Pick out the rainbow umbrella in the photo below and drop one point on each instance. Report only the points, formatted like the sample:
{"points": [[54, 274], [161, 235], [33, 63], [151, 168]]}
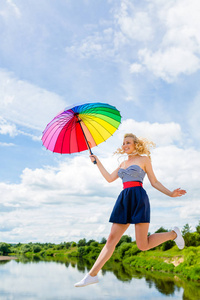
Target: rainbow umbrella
{"points": [[81, 128]]}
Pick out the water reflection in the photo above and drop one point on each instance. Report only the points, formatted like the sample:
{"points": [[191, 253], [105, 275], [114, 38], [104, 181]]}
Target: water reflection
{"points": [[38, 279]]}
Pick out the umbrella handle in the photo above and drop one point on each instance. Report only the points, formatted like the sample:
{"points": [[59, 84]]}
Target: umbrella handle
{"points": [[94, 162], [79, 121]]}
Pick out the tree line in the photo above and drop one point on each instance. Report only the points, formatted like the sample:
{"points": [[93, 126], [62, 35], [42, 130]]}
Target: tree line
{"points": [[191, 239]]}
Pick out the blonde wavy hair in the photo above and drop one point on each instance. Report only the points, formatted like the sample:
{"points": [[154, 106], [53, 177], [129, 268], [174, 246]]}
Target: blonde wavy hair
{"points": [[142, 145]]}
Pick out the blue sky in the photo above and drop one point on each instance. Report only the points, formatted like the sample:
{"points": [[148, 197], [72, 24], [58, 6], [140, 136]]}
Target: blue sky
{"points": [[142, 58]]}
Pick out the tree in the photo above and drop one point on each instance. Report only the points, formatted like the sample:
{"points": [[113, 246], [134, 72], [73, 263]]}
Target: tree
{"points": [[186, 232], [81, 243], [26, 248], [82, 251], [124, 238], [161, 229], [4, 248], [198, 228], [94, 244], [167, 245], [186, 229], [123, 248], [90, 241], [67, 245], [37, 248], [103, 240]]}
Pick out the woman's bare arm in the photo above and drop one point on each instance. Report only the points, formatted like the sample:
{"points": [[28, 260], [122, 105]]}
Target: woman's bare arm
{"points": [[157, 185], [109, 177]]}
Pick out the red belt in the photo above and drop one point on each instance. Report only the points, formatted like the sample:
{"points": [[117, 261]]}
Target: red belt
{"points": [[129, 184]]}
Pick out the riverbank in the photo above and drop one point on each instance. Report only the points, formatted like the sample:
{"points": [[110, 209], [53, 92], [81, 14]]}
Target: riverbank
{"points": [[7, 258], [166, 258], [184, 263]]}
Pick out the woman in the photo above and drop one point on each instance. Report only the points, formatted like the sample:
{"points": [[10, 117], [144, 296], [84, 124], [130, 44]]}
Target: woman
{"points": [[132, 205]]}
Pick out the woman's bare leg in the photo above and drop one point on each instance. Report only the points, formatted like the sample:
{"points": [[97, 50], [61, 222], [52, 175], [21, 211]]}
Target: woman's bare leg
{"points": [[145, 242], [116, 233]]}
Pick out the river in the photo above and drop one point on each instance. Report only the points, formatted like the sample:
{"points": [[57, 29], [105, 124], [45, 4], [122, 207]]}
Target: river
{"points": [[54, 281]]}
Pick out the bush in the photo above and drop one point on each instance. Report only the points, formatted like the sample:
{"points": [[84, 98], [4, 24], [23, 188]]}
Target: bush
{"points": [[94, 244], [190, 258], [134, 250], [88, 249], [167, 245], [124, 239], [73, 254], [59, 247], [94, 253], [49, 252], [67, 245], [190, 272], [4, 248], [123, 248], [73, 244], [81, 251], [151, 264], [90, 241], [26, 248], [81, 243], [36, 248]]}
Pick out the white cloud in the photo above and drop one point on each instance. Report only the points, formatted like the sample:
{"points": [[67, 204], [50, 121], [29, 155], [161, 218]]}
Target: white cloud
{"points": [[7, 128], [98, 45], [161, 134], [127, 24], [14, 7], [134, 24], [163, 34], [136, 68], [169, 63], [9, 9], [7, 144], [193, 117], [25, 104], [60, 203], [176, 47]]}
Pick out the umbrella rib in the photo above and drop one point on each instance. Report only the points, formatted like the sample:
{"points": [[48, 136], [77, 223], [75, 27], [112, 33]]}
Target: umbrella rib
{"points": [[99, 116], [85, 138], [92, 109], [55, 124], [73, 124], [51, 138], [71, 127], [107, 121], [98, 130], [102, 126], [77, 139]]}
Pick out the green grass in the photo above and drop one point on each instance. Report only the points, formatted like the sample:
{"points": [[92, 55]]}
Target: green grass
{"points": [[163, 261]]}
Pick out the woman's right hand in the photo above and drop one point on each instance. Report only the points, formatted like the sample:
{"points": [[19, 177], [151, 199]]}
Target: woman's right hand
{"points": [[93, 158]]}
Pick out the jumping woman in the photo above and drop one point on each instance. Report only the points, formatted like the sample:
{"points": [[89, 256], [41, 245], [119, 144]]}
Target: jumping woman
{"points": [[132, 205]]}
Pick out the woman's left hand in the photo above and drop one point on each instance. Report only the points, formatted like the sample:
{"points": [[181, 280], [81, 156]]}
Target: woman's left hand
{"points": [[178, 193]]}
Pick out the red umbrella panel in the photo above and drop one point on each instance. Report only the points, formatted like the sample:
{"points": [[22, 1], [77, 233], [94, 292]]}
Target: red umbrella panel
{"points": [[81, 127]]}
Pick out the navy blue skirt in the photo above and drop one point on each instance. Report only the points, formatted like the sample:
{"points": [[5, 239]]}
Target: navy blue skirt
{"points": [[132, 206]]}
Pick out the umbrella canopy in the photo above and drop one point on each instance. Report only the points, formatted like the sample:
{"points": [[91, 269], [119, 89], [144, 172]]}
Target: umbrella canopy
{"points": [[81, 127]]}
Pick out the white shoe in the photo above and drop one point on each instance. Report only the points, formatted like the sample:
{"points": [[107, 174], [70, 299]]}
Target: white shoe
{"points": [[87, 280], [179, 239]]}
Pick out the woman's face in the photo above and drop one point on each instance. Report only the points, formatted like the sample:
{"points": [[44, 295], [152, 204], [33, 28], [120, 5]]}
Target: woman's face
{"points": [[128, 145]]}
